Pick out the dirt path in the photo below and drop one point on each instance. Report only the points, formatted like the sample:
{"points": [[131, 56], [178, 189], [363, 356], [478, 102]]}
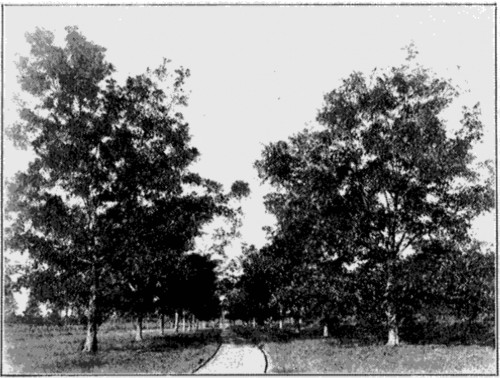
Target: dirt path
{"points": [[235, 358]]}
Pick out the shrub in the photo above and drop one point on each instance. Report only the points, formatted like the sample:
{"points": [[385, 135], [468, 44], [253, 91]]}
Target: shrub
{"points": [[263, 334]]}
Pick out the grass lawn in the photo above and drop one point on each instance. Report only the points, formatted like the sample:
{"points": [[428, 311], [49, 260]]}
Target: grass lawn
{"points": [[325, 356], [40, 349]]}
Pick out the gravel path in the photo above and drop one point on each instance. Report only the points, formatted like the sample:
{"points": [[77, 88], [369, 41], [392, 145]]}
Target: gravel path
{"points": [[236, 359]]}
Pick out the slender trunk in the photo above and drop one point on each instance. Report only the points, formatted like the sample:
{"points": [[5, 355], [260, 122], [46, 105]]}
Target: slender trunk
{"points": [[176, 322], [223, 320], [325, 331], [183, 322], [90, 345], [393, 338], [162, 324], [138, 328], [281, 323], [299, 325], [253, 323], [392, 324]]}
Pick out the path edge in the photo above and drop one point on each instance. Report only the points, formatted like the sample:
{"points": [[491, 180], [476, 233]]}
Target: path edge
{"points": [[208, 359], [267, 358]]}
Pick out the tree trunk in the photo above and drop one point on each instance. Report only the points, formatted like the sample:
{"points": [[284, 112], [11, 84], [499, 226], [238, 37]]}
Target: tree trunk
{"points": [[138, 328], [299, 325], [281, 323], [393, 337], [223, 320], [90, 345], [176, 322], [162, 324], [253, 323], [392, 324], [325, 331], [183, 322]]}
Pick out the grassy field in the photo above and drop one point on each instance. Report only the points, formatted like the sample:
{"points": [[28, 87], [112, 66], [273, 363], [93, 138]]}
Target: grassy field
{"points": [[40, 349], [324, 356]]}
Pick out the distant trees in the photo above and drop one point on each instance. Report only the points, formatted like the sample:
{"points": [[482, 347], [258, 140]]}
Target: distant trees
{"points": [[381, 177], [198, 286], [108, 205], [251, 297]]}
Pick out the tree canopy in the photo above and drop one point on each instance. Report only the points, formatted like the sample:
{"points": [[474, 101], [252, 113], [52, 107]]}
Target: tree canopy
{"points": [[109, 201], [380, 176]]}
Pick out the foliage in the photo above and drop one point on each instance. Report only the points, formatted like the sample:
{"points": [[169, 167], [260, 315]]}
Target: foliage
{"points": [[69, 181], [381, 175], [32, 313], [446, 332], [251, 296], [108, 203], [199, 284], [470, 279]]}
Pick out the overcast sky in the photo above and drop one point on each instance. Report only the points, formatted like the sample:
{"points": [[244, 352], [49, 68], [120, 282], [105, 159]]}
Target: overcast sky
{"points": [[259, 73]]}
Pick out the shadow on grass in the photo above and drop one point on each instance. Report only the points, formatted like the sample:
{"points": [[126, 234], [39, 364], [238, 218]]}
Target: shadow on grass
{"points": [[78, 362], [160, 343], [31, 350], [193, 340]]}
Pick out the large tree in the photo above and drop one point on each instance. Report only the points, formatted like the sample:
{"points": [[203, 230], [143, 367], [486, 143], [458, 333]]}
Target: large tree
{"points": [[382, 174], [111, 161]]}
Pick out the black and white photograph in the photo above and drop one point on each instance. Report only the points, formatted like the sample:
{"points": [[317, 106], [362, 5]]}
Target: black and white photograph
{"points": [[249, 188]]}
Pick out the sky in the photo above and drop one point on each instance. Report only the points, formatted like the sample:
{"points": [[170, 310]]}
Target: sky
{"points": [[259, 73]]}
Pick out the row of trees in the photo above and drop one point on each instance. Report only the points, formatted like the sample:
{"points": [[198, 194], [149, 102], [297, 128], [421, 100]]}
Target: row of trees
{"points": [[108, 209], [189, 290], [439, 280], [373, 209], [373, 206]]}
